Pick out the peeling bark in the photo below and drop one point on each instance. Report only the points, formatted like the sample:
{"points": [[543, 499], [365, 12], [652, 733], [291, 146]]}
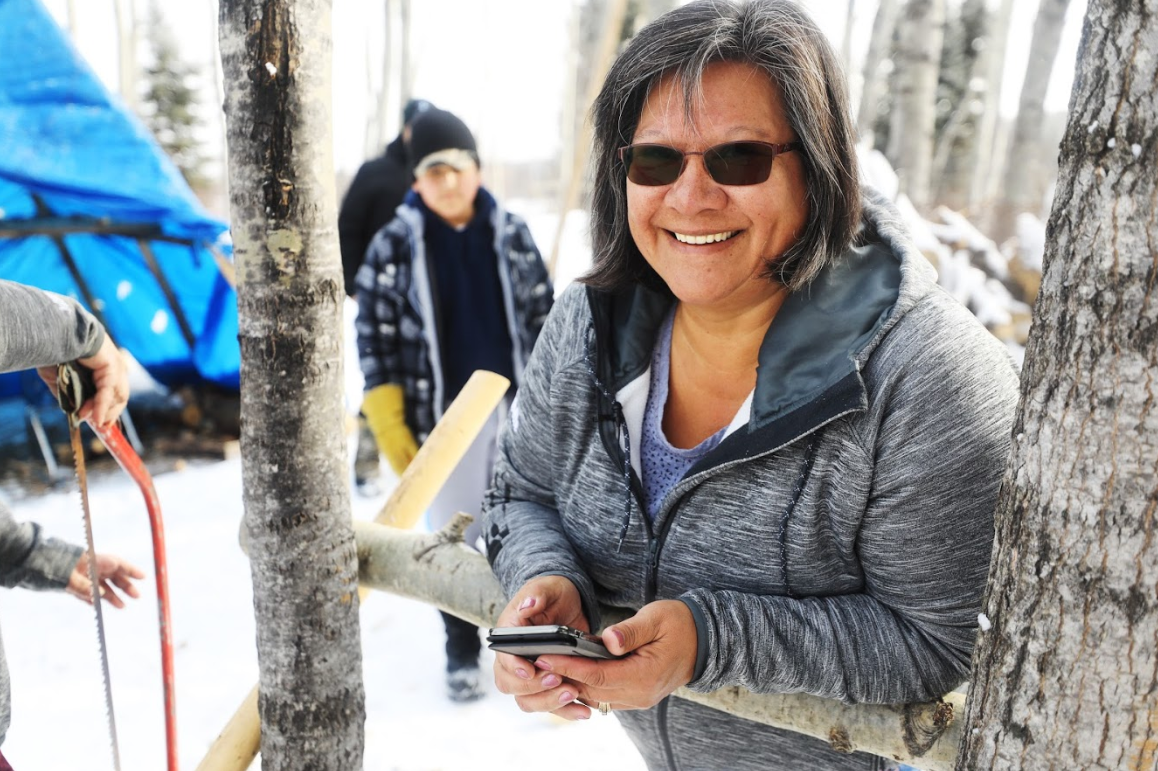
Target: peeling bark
{"points": [[1068, 675], [276, 59]]}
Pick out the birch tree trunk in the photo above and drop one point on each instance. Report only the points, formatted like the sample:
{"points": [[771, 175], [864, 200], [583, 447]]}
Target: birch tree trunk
{"points": [[952, 170], [126, 19], [880, 43], [276, 56], [1066, 677], [919, 59], [846, 40], [405, 65], [1022, 186], [991, 69]]}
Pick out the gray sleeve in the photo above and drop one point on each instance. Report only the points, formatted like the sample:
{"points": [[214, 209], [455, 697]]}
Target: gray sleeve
{"points": [[39, 328], [942, 405], [521, 525], [30, 560]]}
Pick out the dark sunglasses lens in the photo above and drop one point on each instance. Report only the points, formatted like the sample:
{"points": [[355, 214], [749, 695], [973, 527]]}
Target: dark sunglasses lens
{"points": [[739, 163], [653, 165]]}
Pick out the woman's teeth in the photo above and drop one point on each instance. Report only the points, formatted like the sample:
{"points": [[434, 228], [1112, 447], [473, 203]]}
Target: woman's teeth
{"points": [[708, 239]]}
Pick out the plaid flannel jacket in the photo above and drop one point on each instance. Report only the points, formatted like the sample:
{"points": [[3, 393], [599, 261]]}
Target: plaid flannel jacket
{"points": [[397, 309]]}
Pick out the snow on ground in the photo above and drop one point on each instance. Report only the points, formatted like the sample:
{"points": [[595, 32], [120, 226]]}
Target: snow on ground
{"points": [[58, 714]]}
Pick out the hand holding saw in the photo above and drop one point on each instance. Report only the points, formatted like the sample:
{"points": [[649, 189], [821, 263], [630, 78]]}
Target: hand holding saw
{"points": [[75, 387]]}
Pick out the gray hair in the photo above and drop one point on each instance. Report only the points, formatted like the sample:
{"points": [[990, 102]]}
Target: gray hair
{"points": [[778, 38]]}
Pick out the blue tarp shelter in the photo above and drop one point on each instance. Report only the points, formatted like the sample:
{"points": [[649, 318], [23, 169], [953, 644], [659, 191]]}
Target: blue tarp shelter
{"points": [[90, 206]]}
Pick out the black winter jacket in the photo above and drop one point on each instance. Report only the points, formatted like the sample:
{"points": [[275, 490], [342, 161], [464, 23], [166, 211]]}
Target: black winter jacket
{"points": [[377, 190]]}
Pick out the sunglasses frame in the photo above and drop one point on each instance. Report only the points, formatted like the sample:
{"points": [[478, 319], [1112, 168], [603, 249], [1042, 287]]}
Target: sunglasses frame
{"points": [[777, 149]]}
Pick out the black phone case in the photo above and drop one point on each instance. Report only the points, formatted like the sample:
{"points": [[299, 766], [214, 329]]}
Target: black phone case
{"points": [[533, 644]]}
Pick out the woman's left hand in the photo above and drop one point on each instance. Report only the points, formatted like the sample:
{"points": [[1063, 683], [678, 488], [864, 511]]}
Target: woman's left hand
{"points": [[661, 641]]}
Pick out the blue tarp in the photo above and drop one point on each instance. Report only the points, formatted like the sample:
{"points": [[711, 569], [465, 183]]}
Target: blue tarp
{"points": [[66, 143]]}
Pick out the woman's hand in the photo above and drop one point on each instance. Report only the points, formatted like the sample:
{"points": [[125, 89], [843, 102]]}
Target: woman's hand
{"points": [[546, 600], [661, 641]]}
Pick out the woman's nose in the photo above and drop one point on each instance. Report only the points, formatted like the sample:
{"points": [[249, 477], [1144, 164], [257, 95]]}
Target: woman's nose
{"points": [[695, 190]]}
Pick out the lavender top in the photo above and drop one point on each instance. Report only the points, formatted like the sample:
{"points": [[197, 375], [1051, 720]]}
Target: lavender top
{"points": [[662, 464]]}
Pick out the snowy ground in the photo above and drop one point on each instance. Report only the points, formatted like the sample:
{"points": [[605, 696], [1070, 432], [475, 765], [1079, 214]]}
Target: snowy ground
{"points": [[58, 719]]}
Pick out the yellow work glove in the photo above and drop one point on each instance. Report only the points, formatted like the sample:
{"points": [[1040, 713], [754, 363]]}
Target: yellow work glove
{"points": [[383, 409]]}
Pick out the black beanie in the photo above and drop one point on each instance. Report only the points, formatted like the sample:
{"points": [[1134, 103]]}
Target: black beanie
{"points": [[413, 109], [435, 130]]}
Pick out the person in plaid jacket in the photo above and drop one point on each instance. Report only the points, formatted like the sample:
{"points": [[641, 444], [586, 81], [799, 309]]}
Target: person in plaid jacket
{"points": [[453, 284]]}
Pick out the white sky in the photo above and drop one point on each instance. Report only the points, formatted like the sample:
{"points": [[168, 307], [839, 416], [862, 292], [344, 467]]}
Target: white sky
{"points": [[501, 65]]}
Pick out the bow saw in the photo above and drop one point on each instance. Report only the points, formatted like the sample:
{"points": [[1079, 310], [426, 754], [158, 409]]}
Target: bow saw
{"points": [[74, 387]]}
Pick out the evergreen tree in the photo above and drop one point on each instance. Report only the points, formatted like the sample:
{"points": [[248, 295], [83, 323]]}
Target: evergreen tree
{"points": [[169, 101]]}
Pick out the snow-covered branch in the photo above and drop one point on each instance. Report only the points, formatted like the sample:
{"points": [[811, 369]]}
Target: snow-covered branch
{"points": [[438, 569]]}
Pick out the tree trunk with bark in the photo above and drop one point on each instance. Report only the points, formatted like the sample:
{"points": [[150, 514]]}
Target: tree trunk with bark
{"points": [[126, 20], [276, 57], [1068, 674], [405, 53], [991, 69], [918, 60], [875, 76], [1023, 183]]}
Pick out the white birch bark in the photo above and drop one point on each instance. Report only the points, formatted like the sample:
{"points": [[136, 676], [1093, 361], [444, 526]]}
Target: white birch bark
{"points": [[406, 54], [126, 20], [991, 69], [1023, 185], [875, 77], [1066, 676], [276, 57], [846, 39], [918, 60]]}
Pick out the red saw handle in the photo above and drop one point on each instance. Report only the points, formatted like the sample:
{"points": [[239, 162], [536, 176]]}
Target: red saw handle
{"points": [[128, 460]]}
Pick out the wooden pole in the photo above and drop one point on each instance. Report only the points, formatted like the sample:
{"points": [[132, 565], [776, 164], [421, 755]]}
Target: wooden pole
{"points": [[238, 743]]}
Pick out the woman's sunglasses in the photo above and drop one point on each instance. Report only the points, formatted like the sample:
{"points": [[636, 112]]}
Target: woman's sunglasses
{"points": [[732, 163]]}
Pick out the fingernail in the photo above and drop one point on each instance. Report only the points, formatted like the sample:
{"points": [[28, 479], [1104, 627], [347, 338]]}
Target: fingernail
{"points": [[522, 673], [618, 637], [566, 698], [586, 716], [551, 681], [543, 664], [529, 602]]}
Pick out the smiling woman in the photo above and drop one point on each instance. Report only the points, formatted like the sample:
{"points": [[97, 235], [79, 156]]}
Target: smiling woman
{"points": [[760, 426]]}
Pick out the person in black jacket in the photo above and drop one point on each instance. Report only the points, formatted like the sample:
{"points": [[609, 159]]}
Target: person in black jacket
{"points": [[379, 186], [376, 191]]}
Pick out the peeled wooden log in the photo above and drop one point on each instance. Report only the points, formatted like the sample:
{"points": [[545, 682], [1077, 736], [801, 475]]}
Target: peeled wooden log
{"points": [[438, 569]]}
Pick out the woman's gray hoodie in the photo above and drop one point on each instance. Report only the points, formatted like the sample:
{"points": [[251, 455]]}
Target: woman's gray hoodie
{"points": [[835, 543]]}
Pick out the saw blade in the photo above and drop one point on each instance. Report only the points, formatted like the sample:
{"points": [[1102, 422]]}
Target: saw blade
{"points": [[94, 579]]}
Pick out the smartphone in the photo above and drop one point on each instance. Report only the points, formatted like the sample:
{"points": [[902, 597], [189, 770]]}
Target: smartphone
{"points": [[533, 641]]}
